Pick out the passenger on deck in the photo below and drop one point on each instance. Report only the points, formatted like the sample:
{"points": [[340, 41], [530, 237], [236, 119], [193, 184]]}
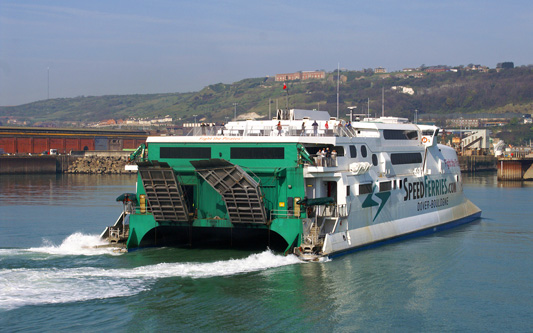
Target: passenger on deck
{"points": [[303, 129], [319, 158], [339, 129], [279, 128], [334, 158], [349, 125], [315, 128]]}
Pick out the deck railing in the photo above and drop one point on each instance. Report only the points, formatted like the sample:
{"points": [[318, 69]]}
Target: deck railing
{"points": [[331, 210], [319, 210], [286, 130]]}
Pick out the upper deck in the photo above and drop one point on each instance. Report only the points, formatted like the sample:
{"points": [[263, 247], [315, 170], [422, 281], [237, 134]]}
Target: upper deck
{"points": [[390, 145], [308, 130]]}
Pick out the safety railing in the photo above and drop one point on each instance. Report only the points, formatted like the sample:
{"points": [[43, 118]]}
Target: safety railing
{"points": [[312, 211], [331, 210], [336, 131]]}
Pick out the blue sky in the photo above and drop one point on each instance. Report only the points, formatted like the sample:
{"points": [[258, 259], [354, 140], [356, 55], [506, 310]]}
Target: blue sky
{"points": [[92, 48]]}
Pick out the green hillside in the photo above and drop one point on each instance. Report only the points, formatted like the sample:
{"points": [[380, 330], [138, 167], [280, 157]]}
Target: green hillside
{"points": [[509, 90]]}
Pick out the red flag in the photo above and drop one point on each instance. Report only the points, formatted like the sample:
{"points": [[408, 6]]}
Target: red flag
{"points": [[284, 85]]}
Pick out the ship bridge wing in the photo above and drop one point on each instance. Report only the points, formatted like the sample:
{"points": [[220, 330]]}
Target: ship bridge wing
{"points": [[241, 193]]}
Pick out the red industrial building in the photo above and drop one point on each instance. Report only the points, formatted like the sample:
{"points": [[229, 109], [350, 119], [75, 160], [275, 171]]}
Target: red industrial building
{"points": [[34, 140]]}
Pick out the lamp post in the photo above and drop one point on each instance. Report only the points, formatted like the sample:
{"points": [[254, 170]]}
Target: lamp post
{"points": [[461, 135], [416, 116]]}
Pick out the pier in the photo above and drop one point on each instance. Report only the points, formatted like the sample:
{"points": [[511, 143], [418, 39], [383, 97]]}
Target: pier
{"points": [[515, 168], [477, 163]]}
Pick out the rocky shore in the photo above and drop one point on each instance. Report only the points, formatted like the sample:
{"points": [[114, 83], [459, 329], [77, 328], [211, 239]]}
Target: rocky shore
{"points": [[99, 165]]}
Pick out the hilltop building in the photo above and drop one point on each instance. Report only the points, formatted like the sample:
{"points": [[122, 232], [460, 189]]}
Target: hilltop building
{"points": [[305, 75]]}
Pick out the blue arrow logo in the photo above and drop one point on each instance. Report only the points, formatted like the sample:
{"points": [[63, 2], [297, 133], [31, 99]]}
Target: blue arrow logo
{"points": [[369, 202]]}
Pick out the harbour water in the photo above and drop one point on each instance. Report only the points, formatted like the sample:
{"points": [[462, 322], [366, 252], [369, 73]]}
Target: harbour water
{"points": [[477, 277]]}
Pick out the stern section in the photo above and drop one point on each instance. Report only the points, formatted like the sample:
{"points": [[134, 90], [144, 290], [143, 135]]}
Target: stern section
{"points": [[224, 194]]}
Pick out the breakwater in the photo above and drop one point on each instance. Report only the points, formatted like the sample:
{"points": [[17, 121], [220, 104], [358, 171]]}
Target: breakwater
{"points": [[99, 165]]}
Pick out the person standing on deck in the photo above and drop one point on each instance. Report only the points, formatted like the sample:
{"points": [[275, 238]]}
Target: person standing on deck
{"points": [[303, 129], [338, 130], [315, 128], [279, 128]]}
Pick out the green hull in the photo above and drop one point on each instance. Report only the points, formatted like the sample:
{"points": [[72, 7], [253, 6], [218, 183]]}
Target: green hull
{"points": [[187, 206]]}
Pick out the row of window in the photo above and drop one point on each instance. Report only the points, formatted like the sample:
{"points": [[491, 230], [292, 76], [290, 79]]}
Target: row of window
{"points": [[385, 186], [262, 153], [273, 153], [396, 158]]}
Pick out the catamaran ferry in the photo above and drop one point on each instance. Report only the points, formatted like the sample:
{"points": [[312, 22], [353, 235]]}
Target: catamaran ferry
{"points": [[303, 183]]}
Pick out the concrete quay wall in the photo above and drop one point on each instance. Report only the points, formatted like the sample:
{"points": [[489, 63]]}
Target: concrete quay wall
{"points": [[90, 164], [27, 164], [476, 163]]}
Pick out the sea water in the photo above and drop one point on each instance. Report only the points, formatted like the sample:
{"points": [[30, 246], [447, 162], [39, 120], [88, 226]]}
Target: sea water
{"points": [[476, 277]]}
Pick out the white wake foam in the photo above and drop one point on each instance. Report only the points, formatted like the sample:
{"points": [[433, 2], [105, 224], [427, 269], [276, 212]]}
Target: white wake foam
{"points": [[51, 285], [76, 244]]}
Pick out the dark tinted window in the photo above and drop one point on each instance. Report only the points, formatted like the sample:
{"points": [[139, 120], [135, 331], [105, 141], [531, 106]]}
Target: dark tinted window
{"points": [[263, 153], [363, 151], [374, 159], [353, 151], [365, 188], [406, 158], [400, 135], [385, 186], [185, 152]]}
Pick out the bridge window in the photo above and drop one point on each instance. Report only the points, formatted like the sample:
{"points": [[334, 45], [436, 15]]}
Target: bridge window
{"points": [[400, 135]]}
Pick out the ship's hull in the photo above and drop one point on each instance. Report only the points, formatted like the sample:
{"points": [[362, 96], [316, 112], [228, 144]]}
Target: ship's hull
{"points": [[383, 233]]}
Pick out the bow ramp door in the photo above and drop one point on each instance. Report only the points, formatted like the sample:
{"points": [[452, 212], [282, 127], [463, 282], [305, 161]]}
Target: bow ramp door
{"points": [[240, 191], [164, 193]]}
